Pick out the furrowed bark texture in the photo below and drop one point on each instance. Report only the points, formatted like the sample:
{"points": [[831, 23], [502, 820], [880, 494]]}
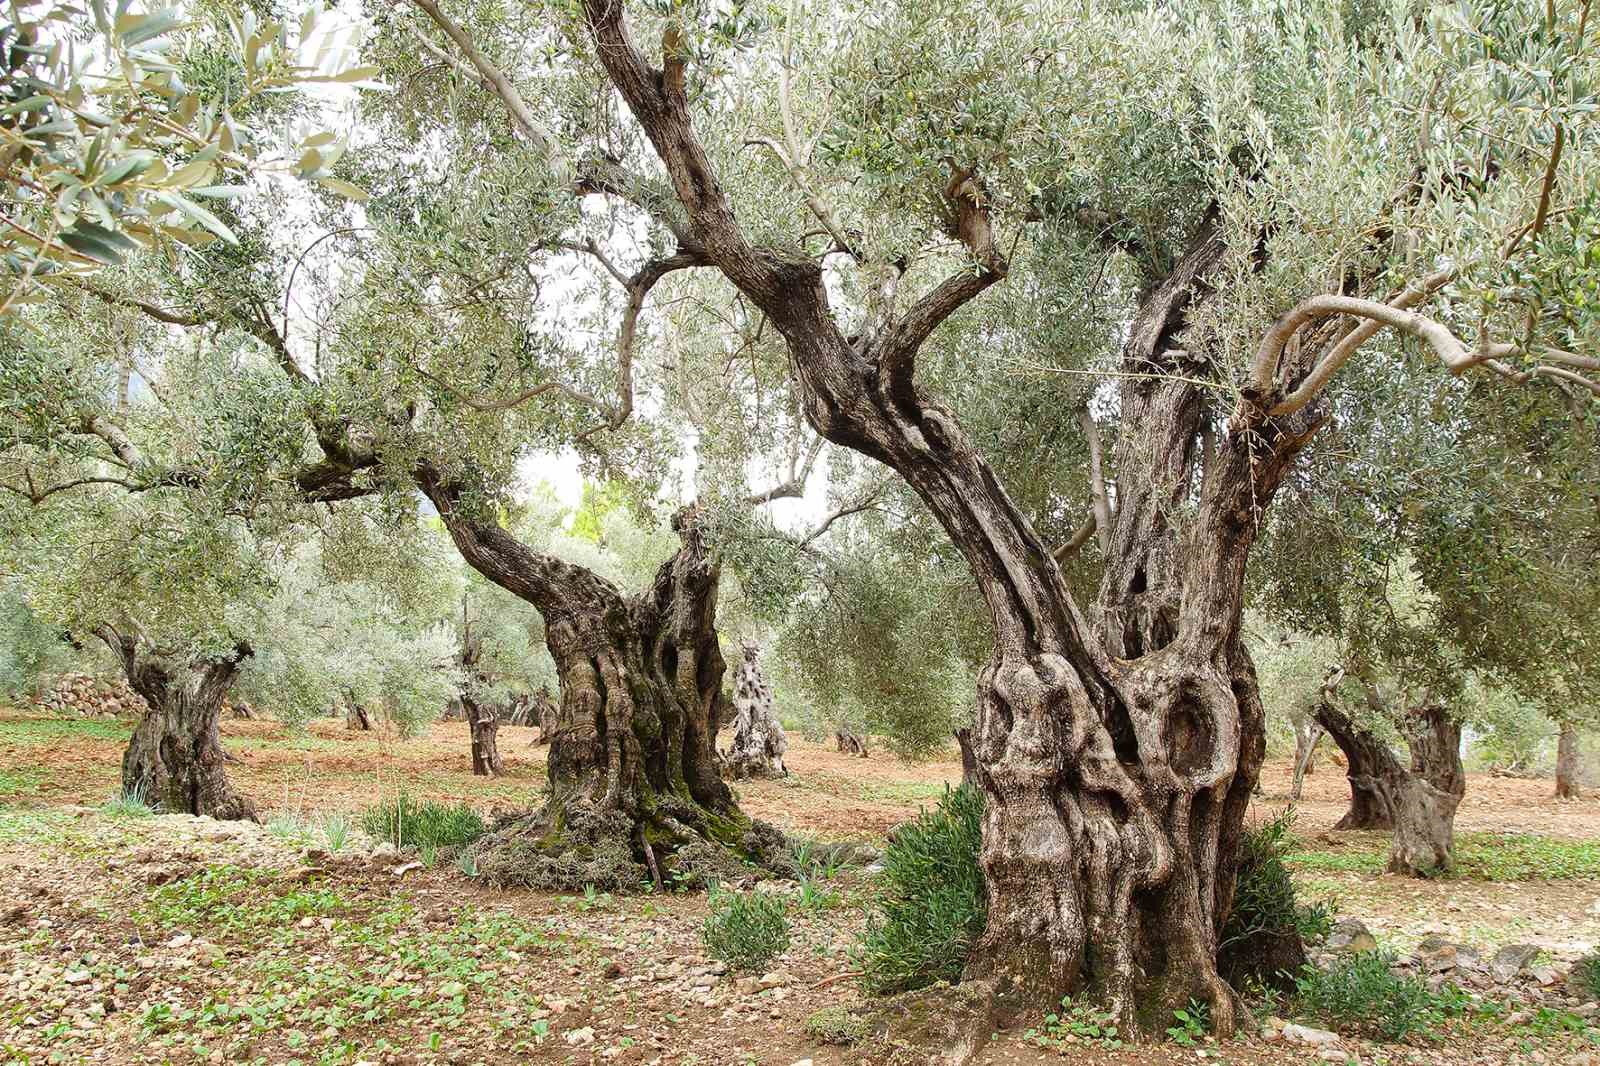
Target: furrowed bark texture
{"points": [[850, 743], [483, 722], [1418, 802], [1568, 763], [1371, 767], [175, 759], [1427, 798], [1117, 759], [635, 791], [758, 738]]}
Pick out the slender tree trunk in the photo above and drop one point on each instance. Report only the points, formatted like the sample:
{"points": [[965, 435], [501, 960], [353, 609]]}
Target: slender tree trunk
{"points": [[1568, 763], [174, 759], [969, 758], [1307, 734], [635, 791], [483, 722], [758, 738], [1371, 766]]}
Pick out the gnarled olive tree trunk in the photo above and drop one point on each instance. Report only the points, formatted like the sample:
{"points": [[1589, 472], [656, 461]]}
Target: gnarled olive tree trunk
{"points": [[483, 721], [1568, 763], [1307, 735], [174, 759], [758, 738], [1427, 797], [1117, 757], [635, 791], [1418, 802], [1370, 765]]}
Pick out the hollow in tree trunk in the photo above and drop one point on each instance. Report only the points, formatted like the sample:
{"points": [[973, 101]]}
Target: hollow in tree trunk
{"points": [[175, 759], [634, 787], [1568, 762], [758, 738]]}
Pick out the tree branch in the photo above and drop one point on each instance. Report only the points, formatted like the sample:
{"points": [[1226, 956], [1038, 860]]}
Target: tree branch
{"points": [[972, 225], [1097, 480], [508, 94], [1079, 538]]}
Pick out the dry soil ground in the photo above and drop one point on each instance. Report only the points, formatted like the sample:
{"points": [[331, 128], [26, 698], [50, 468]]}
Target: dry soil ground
{"points": [[164, 939]]}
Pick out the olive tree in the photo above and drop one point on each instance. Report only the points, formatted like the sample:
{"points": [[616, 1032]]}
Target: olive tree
{"points": [[1289, 192]]}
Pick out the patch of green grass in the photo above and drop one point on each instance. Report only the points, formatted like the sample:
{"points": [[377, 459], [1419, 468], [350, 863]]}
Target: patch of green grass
{"points": [[39, 731], [39, 827], [129, 803], [21, 781], [408, 822], [907, 792], [1478, 857]]}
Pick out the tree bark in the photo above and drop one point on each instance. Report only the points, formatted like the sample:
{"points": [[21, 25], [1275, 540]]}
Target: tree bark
{"points": [[174, 759], [1425, 814], [1417, 802], [483, 722], [1370, 765], [633, 776], [1117, 760], [355, 715], [1568, 763], [758, 738], [485, 728], [849, 742], [1307, 735], [969, 758]]}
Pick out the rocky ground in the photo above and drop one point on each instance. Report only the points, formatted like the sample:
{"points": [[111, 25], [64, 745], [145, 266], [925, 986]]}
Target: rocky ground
{"points": [[128, 939]]}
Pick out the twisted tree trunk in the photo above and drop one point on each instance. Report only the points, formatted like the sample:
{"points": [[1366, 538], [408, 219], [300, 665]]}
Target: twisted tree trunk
{"points": [[1371, 767], [175, 759], [1117, 759], [483, 722], [635, 791], [1568, 763], [1427, 797], [1307, 735], [850, 743], [758, 738], [1417, 802]]}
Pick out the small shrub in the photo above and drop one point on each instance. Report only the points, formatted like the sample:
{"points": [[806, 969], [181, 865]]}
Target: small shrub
{"points": [[836, 1025], [746, 931], [1190, 1025], [285, 827], [1265, 934], [1362, 993], [129, 803], [336, 831], [1586, 975], [467, 863], [406, 822], [932, 903]]}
